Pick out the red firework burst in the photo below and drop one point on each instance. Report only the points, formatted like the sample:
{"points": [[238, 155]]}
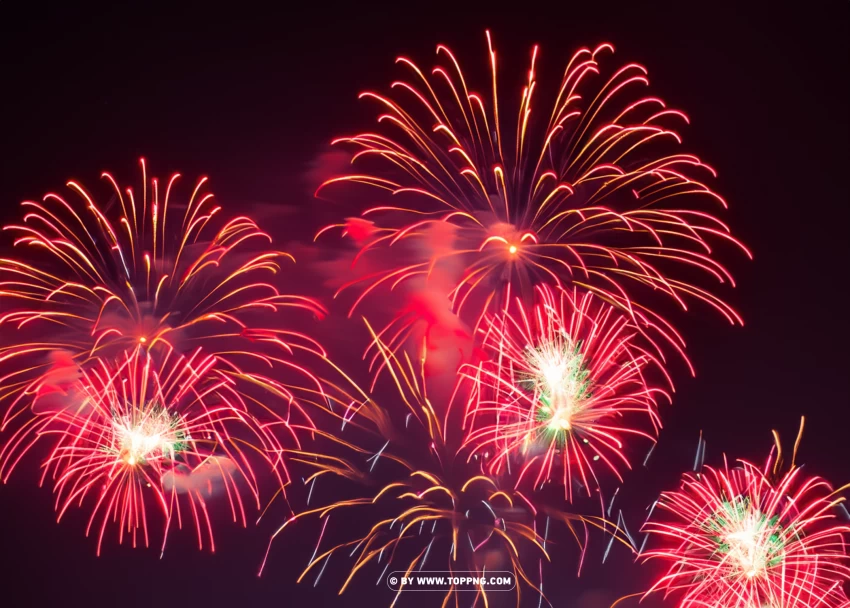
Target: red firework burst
{"points": [[141, 440], [564, 388], [96, 279], [595, 195], [745, 537]]}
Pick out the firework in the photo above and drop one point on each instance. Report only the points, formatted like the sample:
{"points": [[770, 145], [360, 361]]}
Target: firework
{"points": [[94, 279], [147, 444], [594, 195], [430, 507], [564, 388], [743, 536]]}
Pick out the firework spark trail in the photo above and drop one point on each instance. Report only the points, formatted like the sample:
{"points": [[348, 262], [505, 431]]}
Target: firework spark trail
{"points": [[743, 536], [595, 195], [148, 438], [563, 390], [95, 279]]}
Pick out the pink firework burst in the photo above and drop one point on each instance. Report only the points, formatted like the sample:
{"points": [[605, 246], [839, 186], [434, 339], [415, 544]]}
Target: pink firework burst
{"points": [[564, 389], [145, 441], [744, 536]]}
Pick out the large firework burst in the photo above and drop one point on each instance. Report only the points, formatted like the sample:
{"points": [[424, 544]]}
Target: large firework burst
{"points": [[592, 193], [743, 536], [146, 441], [428, 505], [139, 270], [565, 386]]}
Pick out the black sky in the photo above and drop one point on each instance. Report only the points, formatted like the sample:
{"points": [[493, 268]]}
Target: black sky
{"points": [[251, 96]]}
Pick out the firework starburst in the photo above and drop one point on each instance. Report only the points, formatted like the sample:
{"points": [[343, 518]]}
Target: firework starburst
{"points": [[743, 536], [563, 388], [147, 443]]}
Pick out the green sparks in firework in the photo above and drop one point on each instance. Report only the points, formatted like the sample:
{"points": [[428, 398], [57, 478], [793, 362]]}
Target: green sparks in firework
{"points": [[558, 377], [747, 537], [152, 432]]}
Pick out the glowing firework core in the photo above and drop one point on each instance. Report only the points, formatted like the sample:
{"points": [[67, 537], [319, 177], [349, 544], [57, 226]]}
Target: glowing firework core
{"points": [[560, 380], [749, 539], [561, 418], [154, 434]]}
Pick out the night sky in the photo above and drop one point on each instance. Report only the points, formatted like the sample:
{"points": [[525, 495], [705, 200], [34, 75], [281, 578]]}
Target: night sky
{"points": [[253, 98]]}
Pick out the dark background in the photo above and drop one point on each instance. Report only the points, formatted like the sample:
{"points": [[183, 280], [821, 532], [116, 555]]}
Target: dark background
{"points": [[251, 97]]}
